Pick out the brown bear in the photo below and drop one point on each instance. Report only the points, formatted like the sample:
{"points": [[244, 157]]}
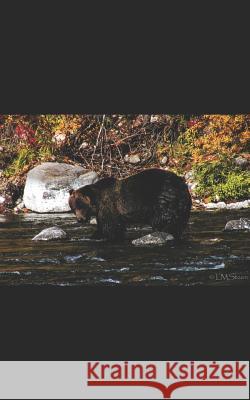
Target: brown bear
{"points": [[154, 196]]}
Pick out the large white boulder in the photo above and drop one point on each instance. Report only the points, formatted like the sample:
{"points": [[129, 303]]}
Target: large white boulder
{"points": [[47, 186]]}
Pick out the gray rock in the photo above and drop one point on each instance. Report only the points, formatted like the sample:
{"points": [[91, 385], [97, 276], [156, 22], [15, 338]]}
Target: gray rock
{"points": [[53, 233], [164, 160], [189, 175], [192, 186], [133, 159], [230, 206], [155, 238], [210, 242], [47, 186], [238, 205], [219, 205], [59, 138], [93, 221], [84, 145], [19, 206], [154, 118], [241, 162], [238, 224], [2, 199]]}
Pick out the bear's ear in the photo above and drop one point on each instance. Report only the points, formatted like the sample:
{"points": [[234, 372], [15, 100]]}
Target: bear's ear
{"points": [[71, 191]]}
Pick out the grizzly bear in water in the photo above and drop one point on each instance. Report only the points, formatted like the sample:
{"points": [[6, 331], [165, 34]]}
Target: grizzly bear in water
{"points": [[154, 196]]}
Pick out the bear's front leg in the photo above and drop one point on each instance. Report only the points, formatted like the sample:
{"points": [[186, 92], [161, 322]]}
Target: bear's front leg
{"points": [[112, 227], [97, 235]]}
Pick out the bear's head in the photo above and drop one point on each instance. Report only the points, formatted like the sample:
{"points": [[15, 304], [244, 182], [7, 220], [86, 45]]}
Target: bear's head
{"points": [[81, 202]]}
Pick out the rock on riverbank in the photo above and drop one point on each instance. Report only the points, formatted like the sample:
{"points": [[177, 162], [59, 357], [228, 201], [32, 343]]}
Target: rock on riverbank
{"points": [[230, 206], [47, 186]]}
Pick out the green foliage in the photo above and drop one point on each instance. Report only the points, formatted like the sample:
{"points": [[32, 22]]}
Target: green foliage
{"points": [[220, 180], [236, 187], [25, 156], [45, 152]]}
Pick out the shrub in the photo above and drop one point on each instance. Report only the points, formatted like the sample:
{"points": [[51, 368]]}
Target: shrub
{"points": [[236, 187], [220, 180], [24, 158]]}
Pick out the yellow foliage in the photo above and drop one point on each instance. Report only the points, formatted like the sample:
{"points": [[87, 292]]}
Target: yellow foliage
{"points": [[220, 135]]}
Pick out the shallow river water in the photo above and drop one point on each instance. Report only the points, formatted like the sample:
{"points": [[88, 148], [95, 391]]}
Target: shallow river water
{"points": [[206, 256]]}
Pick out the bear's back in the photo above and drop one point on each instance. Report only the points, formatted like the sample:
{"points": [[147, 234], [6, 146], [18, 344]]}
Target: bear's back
{"points": [[149, 183]]}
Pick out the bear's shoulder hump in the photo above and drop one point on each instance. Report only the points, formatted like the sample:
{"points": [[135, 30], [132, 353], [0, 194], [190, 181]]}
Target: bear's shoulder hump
{"points": [[105, 182]]}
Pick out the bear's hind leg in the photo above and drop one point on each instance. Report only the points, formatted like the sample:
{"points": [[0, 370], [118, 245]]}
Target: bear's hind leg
{"points": [[97, 235], [167, 216], [168, 223]]}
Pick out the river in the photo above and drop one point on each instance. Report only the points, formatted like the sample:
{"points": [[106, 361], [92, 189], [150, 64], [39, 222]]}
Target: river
{"points": [[206, 256]]}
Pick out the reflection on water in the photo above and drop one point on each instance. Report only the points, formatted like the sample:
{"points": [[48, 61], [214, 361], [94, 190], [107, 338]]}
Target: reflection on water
{"points": [[206, 256]]}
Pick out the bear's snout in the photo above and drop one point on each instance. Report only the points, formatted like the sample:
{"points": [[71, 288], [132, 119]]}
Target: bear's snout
{"points": [[83, 219]]}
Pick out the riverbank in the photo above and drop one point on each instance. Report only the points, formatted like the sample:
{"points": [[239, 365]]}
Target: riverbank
{"points": [[11, 198], [210, 151]]}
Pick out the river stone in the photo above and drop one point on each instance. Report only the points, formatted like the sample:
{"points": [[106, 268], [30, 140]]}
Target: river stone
{"points": [[238, 224], [192, 186], [47, 186], [164, 160], [241, 162], [53, 233], [189, 175], [238, 205], [220, 205], [230, 206], [93, 221], [133, 159], [2, 199], [157, 238]]}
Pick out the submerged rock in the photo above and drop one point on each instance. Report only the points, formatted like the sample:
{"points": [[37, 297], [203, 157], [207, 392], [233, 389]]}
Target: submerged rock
{"points": [[157, 238], [47, 186], [211, 241], [53, 233], [238, 224]]}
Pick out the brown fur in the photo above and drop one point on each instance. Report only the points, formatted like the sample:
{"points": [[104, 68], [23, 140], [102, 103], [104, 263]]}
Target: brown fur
{"points": [[154, 196]]}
